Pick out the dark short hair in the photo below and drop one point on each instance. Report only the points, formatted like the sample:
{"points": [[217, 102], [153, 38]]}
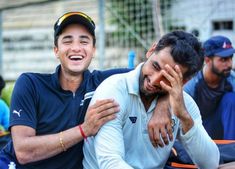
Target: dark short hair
{"points": [[186, 50]]}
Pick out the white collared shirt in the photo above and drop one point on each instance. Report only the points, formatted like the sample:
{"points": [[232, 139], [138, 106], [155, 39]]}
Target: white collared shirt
{"points": [[123, 143]]}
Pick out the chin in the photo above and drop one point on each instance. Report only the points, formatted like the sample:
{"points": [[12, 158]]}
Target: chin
{"points": [[76, 68]]}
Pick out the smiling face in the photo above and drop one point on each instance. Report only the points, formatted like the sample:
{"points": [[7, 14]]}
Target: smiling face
{"points": [[151, 73], [75, 49]]}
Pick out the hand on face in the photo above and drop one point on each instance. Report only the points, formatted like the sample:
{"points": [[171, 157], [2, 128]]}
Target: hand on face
{"points": [[175, 88]]}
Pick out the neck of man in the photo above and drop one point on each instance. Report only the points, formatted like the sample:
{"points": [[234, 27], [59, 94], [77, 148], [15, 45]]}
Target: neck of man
{"points": [[212, 79], [70, 82], [146, 100]]}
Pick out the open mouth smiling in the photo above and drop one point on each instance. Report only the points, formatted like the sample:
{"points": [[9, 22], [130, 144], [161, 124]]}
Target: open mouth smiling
{"points": [[76, 57]]}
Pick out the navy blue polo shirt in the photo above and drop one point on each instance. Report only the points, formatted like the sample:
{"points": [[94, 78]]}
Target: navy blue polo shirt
{"points": [[208, 98], [38, 101]]}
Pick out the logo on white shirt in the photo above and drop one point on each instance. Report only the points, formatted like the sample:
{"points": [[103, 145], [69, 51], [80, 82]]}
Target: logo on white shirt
{"points": [[133, 119], [17, 112]]}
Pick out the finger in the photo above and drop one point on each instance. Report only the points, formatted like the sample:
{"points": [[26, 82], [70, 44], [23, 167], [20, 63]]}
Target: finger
{"points": [[165, 86], [108, 112], [179, 72], [160, 142], [105, 119], [175, 72], [169, 132], [157, 138], [98, 123], [107, 106], [172, 71], [151, 136], [164, 136], [99, 103], [150, 132], [168, 76]]}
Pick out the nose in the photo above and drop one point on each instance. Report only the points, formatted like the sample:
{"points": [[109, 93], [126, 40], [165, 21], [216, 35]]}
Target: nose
{"points": [[229, 62], [76, 47]]}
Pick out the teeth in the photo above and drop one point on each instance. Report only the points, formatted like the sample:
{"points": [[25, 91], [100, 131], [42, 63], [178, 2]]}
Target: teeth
{"points": [[75, 57]]}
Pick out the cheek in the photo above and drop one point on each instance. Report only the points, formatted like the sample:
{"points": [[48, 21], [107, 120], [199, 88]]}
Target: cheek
{"points": [[90, 50]]}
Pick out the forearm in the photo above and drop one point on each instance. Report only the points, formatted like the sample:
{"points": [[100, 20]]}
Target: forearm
{"points": [[186, 121], [34, 148]]}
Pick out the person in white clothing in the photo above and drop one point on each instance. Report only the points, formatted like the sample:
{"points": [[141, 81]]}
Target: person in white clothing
{"points": [[123, 143]]}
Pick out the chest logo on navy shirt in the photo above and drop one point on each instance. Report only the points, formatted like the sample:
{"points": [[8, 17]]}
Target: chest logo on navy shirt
{"points": [[133, 119], [87, 96]]}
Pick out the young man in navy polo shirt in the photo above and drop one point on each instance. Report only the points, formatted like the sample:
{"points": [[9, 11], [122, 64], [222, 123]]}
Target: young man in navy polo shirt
{"points": [[48, 121]]}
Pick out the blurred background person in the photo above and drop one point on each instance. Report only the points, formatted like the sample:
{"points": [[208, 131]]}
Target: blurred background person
{"points": [[4, 117], [213, 88], [4, 109]]}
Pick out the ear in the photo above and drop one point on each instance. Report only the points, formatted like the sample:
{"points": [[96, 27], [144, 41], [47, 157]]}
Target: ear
{"points": [[151, 50], [207, 59], [56, 51]]}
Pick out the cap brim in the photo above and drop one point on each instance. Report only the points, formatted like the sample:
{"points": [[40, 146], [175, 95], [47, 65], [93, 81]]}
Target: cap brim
{"points": [[226, 52], [76, 19]]}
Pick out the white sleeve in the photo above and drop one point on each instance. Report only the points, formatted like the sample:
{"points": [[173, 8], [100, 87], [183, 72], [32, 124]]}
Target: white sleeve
{"points": [[197, 142], [109, 146], [109, 143]]}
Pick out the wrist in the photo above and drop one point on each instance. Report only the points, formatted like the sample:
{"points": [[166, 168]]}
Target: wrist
{"points": [[186, 122], [184, 116], [83, 134]]}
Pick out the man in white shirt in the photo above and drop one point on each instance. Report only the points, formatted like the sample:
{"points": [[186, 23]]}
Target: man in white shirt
{"points": [[123, 143]]}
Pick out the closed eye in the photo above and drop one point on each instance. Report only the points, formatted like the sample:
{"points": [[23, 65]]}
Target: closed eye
{"points": [[84, 42], [156, 66], [67, 40]]}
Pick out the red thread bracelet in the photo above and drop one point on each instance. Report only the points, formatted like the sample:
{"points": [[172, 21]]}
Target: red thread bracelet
{"points": [[82, 132]]}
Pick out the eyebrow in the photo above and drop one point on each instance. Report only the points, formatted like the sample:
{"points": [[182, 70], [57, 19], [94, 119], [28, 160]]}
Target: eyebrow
{"points": [[67, 37], [84, 37], [80, 37]]}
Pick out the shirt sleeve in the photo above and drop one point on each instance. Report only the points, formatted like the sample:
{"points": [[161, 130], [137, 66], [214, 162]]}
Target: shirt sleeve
{"points": [[23, 103], [197, 142], [190, 86], [109, 143]]}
